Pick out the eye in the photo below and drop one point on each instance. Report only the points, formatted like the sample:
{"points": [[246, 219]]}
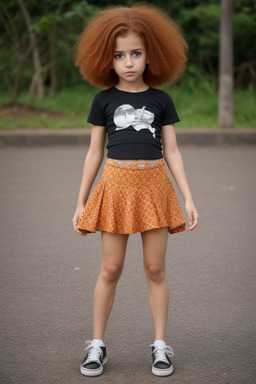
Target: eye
{"points": [[119, 56], [137, 54]]}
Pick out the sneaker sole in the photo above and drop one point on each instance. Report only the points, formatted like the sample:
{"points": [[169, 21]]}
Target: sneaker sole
{"points": [[93, 372], [162, 372]]}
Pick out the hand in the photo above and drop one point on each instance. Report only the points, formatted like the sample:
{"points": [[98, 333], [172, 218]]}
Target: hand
{"points": [[192, 215], [75, 220]]}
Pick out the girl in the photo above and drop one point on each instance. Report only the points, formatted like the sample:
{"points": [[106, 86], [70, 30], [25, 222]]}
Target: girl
{"points": [[130, 50]]}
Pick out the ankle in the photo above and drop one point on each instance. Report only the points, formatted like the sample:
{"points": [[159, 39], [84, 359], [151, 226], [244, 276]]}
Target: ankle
{"points": [[159, 343], [98, 343]]}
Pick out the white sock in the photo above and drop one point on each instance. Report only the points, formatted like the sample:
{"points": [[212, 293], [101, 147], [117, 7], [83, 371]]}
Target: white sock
{"points": [[98, 343], [159, 343]]}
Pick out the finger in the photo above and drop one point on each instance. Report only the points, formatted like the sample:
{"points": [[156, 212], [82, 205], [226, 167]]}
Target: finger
{"points": [[191, 227], [75, 222], [194, 222], [75, 226], [81, 232], [190, 219]]}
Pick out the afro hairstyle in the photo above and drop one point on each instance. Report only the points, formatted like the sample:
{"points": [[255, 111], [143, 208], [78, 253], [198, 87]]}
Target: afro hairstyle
{"points": [[165, 45]]}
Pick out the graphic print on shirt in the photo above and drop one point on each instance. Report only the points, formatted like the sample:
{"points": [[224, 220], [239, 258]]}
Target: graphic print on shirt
{"points": [[126, 116]]}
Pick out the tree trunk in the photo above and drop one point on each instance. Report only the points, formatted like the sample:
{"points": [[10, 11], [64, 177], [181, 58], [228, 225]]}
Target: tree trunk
{"points": [[32, 86], [36, 54], [52, 54], [16, 88], [226, 108]]}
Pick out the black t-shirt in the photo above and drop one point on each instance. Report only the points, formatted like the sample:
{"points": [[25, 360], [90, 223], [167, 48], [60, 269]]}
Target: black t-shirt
{"points": [[133, 121]]}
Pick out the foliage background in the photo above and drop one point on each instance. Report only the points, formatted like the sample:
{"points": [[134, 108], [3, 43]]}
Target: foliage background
{"points": [[57, 25]]}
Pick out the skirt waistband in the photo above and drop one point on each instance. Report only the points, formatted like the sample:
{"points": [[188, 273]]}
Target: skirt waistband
{"points": [[139, 165]]}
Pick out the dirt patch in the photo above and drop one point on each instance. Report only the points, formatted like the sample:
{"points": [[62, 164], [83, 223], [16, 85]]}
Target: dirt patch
{"points": [[16, 111]]}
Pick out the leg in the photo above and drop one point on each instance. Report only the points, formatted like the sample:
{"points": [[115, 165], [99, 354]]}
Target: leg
{"points": [[154, 250], [113, 255]]}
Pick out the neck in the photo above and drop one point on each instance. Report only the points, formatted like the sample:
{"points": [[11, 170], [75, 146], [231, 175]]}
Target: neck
{"points": [[130, 87]]}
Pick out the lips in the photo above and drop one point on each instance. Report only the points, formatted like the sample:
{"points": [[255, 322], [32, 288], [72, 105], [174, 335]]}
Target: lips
{"points": [[129, 73]]}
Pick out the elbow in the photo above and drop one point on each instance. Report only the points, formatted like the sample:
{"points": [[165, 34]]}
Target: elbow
{"points": [[165, 155], [168, 154], [95, 155], [171, 151]]}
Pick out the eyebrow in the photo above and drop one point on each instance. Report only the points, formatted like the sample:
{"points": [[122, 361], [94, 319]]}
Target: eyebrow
{"points": [[136, 49]]}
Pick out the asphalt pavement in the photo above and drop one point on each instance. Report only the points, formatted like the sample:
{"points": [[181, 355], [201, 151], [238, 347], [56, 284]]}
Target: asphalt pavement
{"points": [[48, 274]]}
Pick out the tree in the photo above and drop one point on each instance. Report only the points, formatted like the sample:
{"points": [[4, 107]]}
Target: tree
{"points": [[37, 78], [226, 108], [17, 44], [37, 44]]}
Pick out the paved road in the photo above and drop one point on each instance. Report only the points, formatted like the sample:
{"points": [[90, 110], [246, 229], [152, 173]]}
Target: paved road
{"points": [[48, 274]]}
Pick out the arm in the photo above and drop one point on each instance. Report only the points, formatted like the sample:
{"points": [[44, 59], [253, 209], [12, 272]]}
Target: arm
{"points": [[92, 165], [175, 163]]}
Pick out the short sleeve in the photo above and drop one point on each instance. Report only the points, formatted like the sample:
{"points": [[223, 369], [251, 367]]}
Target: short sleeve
{"points": [[170, 115], [96, 115]]}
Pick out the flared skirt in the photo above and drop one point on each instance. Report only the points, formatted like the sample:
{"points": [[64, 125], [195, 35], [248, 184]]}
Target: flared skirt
{"points": [[133, 197]]}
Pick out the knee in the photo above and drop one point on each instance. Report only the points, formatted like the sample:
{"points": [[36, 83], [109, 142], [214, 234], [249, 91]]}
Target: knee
{"points": [[155, 273], [111, 273]]}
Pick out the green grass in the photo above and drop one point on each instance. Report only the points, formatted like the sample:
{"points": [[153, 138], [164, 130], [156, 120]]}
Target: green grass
{"points": [[197, 108]]}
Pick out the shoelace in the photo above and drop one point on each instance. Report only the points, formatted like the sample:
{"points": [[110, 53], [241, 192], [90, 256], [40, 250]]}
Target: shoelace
{"points": [[95, 352], [160, 353]]}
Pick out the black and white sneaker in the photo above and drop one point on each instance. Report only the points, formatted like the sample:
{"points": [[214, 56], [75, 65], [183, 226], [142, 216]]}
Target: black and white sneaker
{"points": [[94, 360], [162, 365]]}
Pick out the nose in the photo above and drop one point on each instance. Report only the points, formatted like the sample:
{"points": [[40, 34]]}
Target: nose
{"points": [[128, 61]]}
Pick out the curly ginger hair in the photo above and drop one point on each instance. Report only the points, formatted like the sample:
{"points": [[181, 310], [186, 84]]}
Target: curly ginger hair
{"points": [[165, 45]]}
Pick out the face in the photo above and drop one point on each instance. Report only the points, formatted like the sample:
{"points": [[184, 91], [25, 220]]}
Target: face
{"points": [[129, 58]]}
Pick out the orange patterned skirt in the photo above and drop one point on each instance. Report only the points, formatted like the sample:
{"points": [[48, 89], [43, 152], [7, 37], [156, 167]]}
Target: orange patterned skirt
{"points": [[133, 197]]}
